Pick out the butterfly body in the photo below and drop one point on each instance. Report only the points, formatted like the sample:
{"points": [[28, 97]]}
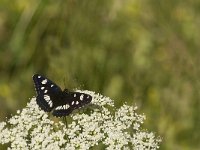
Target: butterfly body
{"points": [[50, 97]]}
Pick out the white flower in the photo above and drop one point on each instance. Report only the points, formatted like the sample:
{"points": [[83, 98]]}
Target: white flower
{"points": [[115, 128]]}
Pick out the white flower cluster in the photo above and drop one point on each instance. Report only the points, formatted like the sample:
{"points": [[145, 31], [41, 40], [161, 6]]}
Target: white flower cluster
{"points": [[105, 125]]}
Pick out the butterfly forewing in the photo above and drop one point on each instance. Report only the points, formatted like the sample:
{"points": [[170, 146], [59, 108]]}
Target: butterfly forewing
{"points": [[47, 92]]}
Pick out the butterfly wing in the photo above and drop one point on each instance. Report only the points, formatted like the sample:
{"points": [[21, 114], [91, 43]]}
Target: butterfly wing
{"points": [[73, 101], [47, 92]]}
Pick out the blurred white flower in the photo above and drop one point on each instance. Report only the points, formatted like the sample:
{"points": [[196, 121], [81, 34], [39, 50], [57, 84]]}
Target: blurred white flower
{"points": [[115, 128]]}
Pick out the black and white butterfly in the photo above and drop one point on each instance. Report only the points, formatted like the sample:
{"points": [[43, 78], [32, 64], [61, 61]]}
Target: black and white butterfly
{"points": [[50, 97]]}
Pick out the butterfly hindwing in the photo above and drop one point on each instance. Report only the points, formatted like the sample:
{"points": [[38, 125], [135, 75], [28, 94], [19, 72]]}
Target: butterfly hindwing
{"points": [[78, 99], [74, 101], [47, 92]]}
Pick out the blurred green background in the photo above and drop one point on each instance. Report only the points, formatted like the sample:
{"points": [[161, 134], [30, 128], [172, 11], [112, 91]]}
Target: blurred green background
{"points": [[143, 52]]}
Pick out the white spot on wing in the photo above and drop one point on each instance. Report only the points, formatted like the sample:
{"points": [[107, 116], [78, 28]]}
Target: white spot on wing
{"points": [[46, 97], [77, 102], [44, 81], [52, 85], [66, 106], [42, 88], [74, 95], [45, 91], [72, 102], [81, 97], [47, 100], [50, 103], [63, 107], [39, 77], [58, 108]]}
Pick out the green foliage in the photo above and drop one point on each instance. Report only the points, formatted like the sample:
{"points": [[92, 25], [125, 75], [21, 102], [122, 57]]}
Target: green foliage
{"points": [[145, 52]]}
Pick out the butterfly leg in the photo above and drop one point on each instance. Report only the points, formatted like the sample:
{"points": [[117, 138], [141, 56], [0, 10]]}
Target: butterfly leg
{"points": [[65, 120]]}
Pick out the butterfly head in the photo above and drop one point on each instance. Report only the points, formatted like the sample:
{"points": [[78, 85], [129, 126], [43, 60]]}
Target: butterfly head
{"points": [[66, 91]]}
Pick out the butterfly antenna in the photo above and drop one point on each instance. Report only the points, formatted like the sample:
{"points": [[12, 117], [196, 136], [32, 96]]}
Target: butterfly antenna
{"points": [[64, 80]]}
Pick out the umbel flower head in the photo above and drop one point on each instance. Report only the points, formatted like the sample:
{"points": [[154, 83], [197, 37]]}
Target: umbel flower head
{"points": [[103, 126]]}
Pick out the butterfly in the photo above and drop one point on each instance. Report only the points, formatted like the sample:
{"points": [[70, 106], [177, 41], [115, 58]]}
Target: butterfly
{"points": [[50, 97]]}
